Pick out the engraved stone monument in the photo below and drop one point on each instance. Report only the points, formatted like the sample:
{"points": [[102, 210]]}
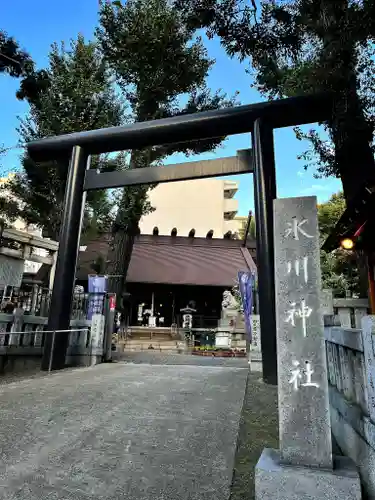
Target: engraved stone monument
{"points": [[255, 334], [303, 468]]}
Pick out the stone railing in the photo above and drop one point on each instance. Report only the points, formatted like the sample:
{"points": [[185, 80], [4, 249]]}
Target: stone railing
{"points": [[351, 362], [350, 311], [22, 341]]}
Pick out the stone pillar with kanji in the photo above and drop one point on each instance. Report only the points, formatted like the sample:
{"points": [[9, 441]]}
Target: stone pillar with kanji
{"points": [[303, 467]]}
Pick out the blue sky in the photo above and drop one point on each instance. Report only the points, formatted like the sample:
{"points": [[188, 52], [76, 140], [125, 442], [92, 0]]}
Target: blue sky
{"points": [[44, 22]]}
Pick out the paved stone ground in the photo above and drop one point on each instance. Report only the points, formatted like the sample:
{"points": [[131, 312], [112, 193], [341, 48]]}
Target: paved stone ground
{"points": [[125, 430], [159, 358], [258, 430]]}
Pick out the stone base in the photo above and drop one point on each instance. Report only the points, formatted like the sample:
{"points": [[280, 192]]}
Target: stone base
{"points": [[283, 482]]}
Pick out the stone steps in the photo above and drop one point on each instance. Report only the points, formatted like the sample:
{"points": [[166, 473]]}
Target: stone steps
{"points": [[165, 345], [148, 331], [131, 342], [154, 338]]}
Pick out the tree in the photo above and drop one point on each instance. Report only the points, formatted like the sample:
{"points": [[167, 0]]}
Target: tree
{"points": [[161, 68], [296, 47], [18, 63], [73, 94], [329, 213], [339, 270], [13, 60]]}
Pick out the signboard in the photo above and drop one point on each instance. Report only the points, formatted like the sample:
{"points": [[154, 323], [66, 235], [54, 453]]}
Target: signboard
{"points": [[112, 303], [223, 340], [187, 321], [97, 330]]}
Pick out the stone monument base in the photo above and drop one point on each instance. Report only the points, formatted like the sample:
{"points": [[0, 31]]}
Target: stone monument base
{"points": [[283, 482]]}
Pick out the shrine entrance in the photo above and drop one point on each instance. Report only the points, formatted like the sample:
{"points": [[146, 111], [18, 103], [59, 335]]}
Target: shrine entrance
{"points": [[259, 120]]}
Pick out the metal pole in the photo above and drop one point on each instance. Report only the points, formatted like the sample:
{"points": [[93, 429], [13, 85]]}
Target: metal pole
{"points": [[61, 301], [53, 345], [265, 193]]}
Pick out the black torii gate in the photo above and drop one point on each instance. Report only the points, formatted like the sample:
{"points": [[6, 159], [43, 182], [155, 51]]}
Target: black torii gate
{"points": [[258, 119]]}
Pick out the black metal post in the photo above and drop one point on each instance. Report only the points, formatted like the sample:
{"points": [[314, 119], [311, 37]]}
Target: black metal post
{"points": [[62, 294], [264, 194]]}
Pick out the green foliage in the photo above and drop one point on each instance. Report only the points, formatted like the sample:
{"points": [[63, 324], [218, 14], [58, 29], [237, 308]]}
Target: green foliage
{"points": [[297, 47], [329, 213], [13, 60], [76, 95], [18, 63], [339, 268], [159, 63], [339, 272]]}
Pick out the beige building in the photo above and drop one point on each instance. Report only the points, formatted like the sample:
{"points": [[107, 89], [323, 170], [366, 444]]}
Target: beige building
{"points": [[203, 205]]}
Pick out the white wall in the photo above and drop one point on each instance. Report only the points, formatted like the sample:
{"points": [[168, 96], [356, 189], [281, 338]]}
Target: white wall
{"points": [[197, 204]]}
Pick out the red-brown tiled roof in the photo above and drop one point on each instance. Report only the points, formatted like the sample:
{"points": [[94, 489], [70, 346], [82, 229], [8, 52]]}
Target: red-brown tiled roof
{"points": [[177, 260]]}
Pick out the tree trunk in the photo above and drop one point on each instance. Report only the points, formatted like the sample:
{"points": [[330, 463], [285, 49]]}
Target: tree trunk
{"points": [[121, 248], [361, 260], [124, 232], [119, 260], [352, 134], [352, 137]]}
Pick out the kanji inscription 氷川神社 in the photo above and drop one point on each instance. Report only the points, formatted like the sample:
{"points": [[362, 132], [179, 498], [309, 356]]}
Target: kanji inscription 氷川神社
{"points": [[299, 373], [302, 372], [302, 468], [295, 228], [302, 312], [297, 267]]}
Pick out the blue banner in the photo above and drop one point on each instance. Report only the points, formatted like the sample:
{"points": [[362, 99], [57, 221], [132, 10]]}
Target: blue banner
{"points": [[246, 284], [97, 287]]}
